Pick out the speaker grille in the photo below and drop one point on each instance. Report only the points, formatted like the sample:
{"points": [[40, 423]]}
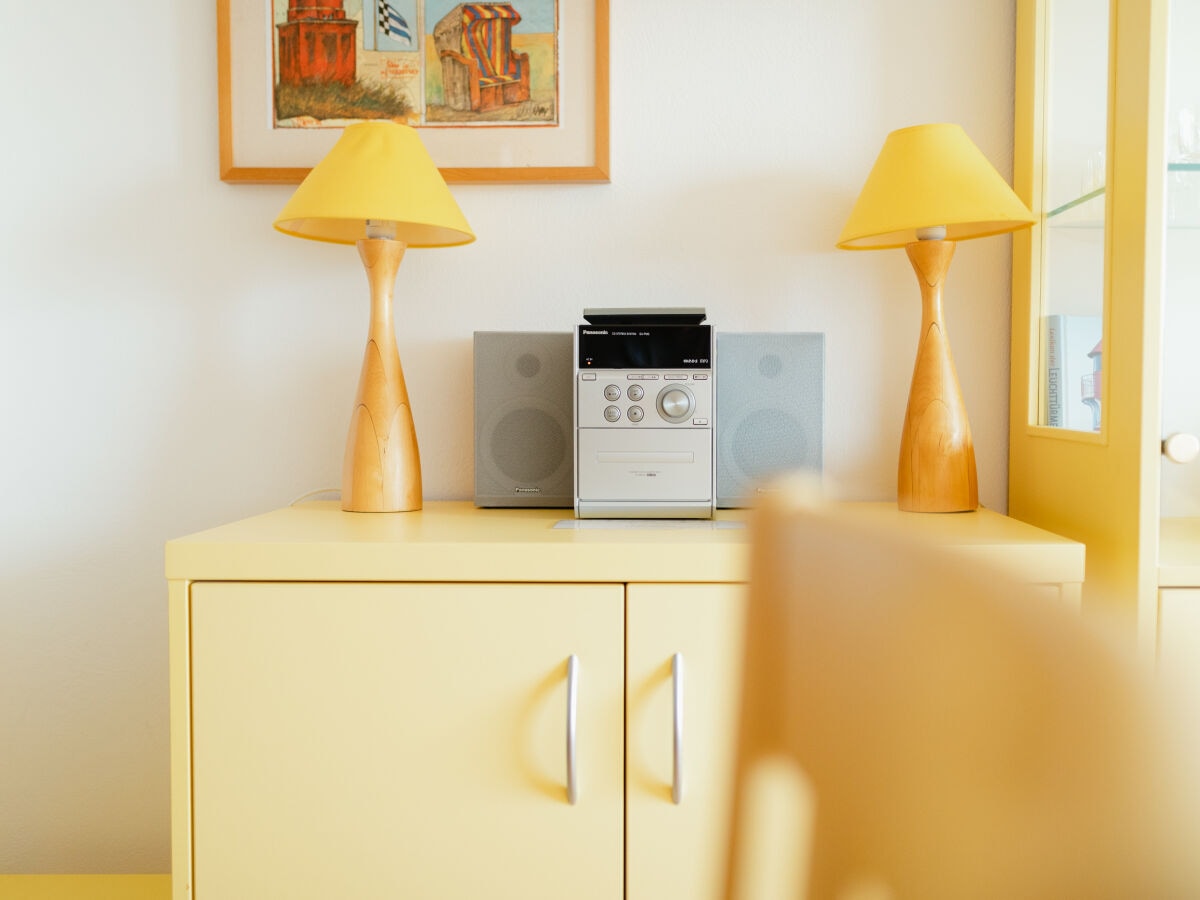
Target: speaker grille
{"points": [[529, 445], [767, 441], [528, 365]]}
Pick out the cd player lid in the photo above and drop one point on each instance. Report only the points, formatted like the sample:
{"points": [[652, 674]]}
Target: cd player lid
{"points": [[649, 315]]}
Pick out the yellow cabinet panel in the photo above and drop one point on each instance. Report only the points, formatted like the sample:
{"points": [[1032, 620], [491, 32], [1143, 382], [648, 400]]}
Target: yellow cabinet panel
{"points": [[405, 740], [1179, 647], [684, 643]]}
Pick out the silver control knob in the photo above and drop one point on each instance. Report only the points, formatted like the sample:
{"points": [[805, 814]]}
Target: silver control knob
{"points": [[612, 392], [612, 413], [635, 414], [675, 404], [635, 392]]}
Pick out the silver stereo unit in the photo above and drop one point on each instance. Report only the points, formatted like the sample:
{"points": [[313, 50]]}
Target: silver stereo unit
{"points": [[644, 415]]}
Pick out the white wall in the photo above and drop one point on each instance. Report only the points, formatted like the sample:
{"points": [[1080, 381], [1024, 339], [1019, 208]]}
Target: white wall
{"points": [[169, 362]]}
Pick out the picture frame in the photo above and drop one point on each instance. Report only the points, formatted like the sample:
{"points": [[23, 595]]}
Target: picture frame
{"points": [[574, 149]]}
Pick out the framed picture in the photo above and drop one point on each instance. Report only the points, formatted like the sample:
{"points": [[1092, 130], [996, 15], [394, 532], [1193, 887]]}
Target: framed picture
{"points": [[500, 92]]}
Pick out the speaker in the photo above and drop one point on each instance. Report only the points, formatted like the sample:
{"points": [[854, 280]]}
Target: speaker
{"points": [[524, 419], [770, 409]]}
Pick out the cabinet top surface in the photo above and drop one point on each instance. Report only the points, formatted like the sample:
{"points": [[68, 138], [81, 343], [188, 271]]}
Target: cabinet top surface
{"points": [[454, 541]]}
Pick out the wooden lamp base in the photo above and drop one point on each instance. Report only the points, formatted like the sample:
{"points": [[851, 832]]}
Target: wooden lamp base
{"points": [[937, 455], [381, 471]]}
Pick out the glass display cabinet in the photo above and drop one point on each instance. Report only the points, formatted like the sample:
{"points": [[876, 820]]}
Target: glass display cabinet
{"points": [[1105, 153]]}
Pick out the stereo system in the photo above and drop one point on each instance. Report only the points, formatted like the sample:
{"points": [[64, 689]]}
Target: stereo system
{"points": [[643, 414]]}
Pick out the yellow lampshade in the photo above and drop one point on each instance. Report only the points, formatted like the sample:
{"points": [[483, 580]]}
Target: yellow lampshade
{"points": [[928, 176], [378, 171]]}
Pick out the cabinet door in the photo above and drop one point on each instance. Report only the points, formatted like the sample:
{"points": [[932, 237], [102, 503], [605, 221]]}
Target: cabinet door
{"points": [[1180, 484], [676, 845], [1179, 646], [1096, 487], [375, 741]]}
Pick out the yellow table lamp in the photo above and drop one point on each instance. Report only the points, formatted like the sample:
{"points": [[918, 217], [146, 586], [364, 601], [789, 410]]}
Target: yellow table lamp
{"points": [[379, 189], [929, 187]]}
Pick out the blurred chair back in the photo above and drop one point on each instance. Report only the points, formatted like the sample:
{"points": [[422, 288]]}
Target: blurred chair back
{"points": [[915, 728]]}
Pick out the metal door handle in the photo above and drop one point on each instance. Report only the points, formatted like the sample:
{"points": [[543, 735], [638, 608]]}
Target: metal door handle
{"points": [[572, 714], [677, 689]]}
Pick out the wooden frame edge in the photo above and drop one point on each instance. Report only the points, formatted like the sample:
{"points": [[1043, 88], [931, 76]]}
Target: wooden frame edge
{"points": [[597, 173]]}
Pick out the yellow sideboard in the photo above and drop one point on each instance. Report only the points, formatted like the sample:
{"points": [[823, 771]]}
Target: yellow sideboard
{"points": [[460, 702]]}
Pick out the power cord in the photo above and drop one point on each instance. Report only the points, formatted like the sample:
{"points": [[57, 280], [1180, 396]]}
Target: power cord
{"points": [[336, 492]]}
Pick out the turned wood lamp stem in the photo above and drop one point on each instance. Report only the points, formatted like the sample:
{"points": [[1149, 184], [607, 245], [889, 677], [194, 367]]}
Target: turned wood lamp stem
{"points": [[381, 471], [379, 189], [937, 455]]}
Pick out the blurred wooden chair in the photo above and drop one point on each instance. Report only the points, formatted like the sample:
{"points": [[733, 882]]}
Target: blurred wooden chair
{"points": [[915, 729]]}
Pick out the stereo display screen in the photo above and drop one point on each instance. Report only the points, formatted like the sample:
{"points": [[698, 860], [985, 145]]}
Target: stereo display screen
{"points": [[645, 347]]}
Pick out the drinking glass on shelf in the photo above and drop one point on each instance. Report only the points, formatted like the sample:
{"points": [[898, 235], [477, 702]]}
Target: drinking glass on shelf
{"points": [[1187, 138]]}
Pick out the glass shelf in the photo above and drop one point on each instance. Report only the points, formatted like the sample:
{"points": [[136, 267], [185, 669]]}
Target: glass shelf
{"points": [[1059, 211], [1076, 214]]}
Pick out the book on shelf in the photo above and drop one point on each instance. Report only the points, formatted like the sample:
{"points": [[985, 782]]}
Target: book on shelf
{"points": [[1071, 382]]}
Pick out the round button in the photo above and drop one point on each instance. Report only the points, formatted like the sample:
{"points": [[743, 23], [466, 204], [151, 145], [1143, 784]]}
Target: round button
{"points": [[636, 414], [676, 403], [612, 392], [612, 413], [635, 392]]}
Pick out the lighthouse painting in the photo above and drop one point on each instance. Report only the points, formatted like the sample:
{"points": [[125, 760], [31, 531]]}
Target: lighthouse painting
{"points": [[421, 62]]}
